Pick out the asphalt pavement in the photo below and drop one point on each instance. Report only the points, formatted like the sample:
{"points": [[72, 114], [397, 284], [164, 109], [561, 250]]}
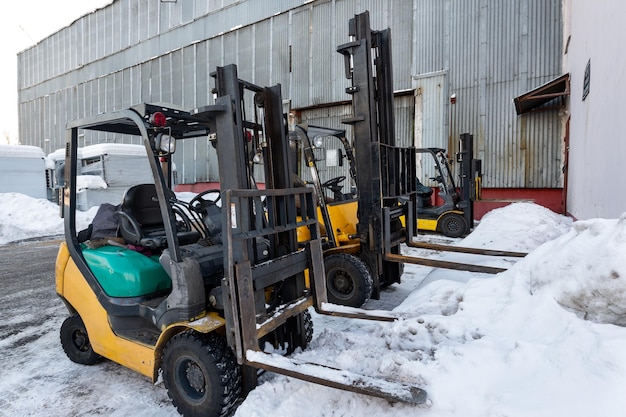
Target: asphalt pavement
{"points": [[27, 282]]}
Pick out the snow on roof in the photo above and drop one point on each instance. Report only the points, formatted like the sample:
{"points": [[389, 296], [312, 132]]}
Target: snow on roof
{"points": [[113, 149], [59, 154], [21, 151]]}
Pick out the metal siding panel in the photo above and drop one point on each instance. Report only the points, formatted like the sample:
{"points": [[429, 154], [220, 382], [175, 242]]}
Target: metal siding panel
{"points": [[118, 90], [122, 17], [155, 80], [175, 14], [229, 51], [300, 63], [202, 74], [243, 53], [177, 77], [201, 158], [215, 5], [165, 65], [401, 24], [335, 67], [428, 34], [201, 8], [153, 18], [136, 83], [187, 11], [101, 35], [188, 81], [114, 27], [262, 49], [279, 62], [165, 11], [126, 92], [404, 123], [320, 85], [91, 91], [144, 20], [134, 19]]}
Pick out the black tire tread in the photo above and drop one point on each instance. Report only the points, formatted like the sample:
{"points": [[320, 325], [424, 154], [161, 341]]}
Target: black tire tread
{"points": [[364, 292], [69, 326], [215, 347]]}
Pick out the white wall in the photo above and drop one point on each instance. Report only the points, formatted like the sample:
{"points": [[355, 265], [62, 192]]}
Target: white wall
{"points": [[597, 160]]}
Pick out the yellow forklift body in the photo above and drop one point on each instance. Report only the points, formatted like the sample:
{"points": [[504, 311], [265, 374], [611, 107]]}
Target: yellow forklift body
{"points": [[142, 358], [344, 219]]}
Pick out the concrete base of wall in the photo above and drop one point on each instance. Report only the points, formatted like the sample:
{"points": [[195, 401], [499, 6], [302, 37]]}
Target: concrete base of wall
{"points": [[492, 198]]}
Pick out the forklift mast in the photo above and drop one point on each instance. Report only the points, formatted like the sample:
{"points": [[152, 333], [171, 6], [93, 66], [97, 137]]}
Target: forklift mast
{"points": [[385, 173], [267, 296]]}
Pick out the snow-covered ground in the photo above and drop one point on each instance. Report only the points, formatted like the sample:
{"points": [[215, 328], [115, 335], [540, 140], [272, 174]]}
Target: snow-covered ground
{"points": [[544, 338]]}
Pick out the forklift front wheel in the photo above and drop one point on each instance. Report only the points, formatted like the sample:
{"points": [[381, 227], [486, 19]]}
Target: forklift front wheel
{"points": [[75, 341], [348, 280], [453, 225], [201, 374]]}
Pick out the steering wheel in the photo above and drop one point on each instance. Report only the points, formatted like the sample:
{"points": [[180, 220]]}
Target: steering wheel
{"points": [[334, 182], [183, 220], [198, 203]]}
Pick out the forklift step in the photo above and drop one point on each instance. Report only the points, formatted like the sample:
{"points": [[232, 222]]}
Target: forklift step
{"points": [[336, 378]]}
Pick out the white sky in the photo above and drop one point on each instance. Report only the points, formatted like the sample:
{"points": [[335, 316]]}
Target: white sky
{"points": [[24, 24]]}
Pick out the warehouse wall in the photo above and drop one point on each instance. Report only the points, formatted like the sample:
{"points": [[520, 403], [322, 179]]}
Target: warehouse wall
{"points": [[597, 123], [484, 51]]}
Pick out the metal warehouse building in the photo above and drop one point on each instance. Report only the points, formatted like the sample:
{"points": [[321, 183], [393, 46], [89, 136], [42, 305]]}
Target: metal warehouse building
{"points": [[458, 65]]}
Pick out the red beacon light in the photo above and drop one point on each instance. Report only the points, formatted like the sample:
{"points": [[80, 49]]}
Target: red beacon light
{"points": [[158, 119]]}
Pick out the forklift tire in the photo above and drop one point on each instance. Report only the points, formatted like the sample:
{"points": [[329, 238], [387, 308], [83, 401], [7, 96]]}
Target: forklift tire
{"points": [[75, 341], [201, 374], [348, 280], [308, 327], [453, 225]]}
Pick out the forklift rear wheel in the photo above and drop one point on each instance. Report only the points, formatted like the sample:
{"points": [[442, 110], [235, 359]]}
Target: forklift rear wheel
{"points": [[453, 225], [348, 280], [75, 341], [201, 374]]}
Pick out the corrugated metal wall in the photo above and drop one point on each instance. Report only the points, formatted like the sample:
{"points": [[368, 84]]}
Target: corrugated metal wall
{"points": [[484, 51]]}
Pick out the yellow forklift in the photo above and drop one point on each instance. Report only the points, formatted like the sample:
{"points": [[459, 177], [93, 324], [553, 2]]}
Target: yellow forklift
{"points": [[200, 289], [452, 212]]}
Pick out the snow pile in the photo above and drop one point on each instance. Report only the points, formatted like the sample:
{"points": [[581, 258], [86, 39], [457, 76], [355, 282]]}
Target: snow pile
{"points": [[585, 270], [23, 217], [518, 227], [522, 343], [544, 338], [90, 182]]}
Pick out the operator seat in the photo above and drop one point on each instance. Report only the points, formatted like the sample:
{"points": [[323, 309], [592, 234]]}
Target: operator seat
{"points": [[424, 194], [140, 219]]}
